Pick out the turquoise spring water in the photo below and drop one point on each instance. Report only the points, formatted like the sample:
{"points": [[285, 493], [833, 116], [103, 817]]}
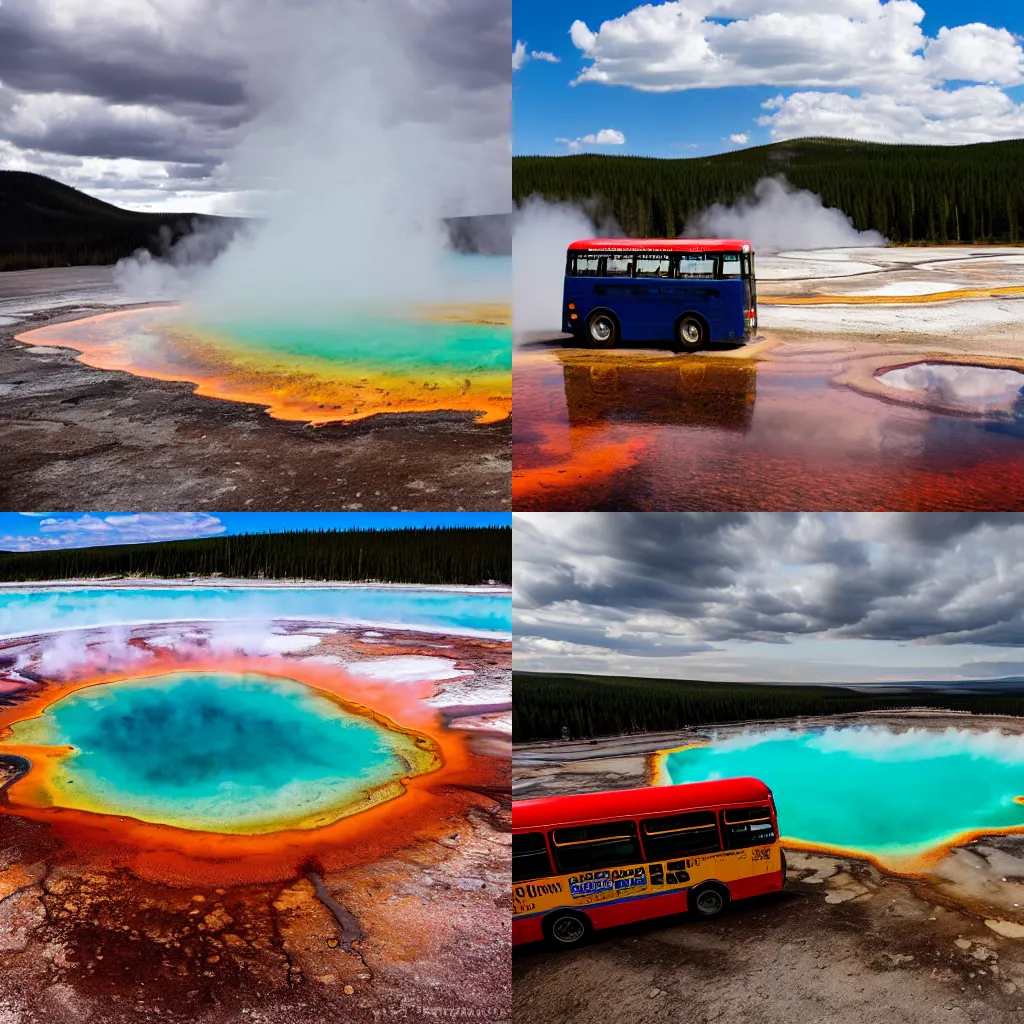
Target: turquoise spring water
{"points": [[215, 751], [894, 795], [395, 345], [29, 610]]}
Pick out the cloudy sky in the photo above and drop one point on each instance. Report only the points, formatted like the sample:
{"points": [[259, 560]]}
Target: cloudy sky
{"points": [[41, 531], [151, 104], [704, 76], [793, 597]]}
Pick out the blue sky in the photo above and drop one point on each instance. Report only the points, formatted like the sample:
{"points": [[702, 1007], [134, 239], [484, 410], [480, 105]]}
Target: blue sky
{"points": [[892, 71], [33, 531]]}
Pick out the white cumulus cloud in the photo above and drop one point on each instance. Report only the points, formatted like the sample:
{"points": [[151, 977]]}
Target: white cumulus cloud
{"points": [[605, 137], [520, 55], [86, 530], [862, 68]]}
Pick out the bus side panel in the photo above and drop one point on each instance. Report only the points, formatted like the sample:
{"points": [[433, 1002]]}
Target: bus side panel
{"points": [[526, 929], [734, 327], [755, 885], [626, 911]]}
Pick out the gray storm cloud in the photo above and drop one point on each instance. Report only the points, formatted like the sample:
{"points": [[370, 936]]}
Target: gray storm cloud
{"points": [[353, 127], [661, 585]]}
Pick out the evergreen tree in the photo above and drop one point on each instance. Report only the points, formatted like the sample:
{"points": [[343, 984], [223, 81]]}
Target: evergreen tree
{"points": [[441, 555], [911, 194]]}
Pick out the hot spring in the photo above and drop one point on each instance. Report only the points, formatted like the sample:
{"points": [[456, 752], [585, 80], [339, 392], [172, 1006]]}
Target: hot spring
{"points": [[216, 752], [902, 798], [397, 358]]}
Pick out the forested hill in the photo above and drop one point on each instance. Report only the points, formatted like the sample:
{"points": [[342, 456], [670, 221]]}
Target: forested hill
{"points": [[44, 223], [911, 194], [595, 705], [443, 555]]}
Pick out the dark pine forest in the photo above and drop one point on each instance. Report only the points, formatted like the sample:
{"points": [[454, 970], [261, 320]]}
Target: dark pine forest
{"points": [[593, 705], [911, 194], [466, 555]]}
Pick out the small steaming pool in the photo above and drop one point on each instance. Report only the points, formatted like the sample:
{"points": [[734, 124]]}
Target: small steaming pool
{"points": [[979, 388], [901, 798], [216, 752]]}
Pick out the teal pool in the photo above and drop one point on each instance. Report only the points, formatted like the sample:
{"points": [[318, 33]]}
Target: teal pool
{"points": [[218, 752], [28, 610], [895, 796]]}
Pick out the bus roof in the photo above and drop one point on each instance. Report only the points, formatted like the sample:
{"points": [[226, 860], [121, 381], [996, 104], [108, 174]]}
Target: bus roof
{"points": [[548, 811], [661, 244]]}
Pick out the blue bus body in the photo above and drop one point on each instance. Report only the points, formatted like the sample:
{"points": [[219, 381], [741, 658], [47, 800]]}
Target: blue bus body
{"points": [[649, 307]]}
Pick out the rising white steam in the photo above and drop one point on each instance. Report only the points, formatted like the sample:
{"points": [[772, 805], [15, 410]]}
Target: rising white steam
{"points": [[777, 217], [362, 145], [541, 233]]}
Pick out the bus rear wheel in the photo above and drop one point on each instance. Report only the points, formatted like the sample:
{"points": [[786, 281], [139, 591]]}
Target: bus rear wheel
{"points": [[708, 900], [566, 928], [602, 330], [689, 334]]}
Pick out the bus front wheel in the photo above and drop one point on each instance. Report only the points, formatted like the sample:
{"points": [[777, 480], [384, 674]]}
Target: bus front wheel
{"points": [[602, 330], [690, 334], [566, 928], [708, 900]]}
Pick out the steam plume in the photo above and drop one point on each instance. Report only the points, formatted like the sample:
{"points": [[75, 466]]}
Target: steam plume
{"points": [[363, 144], [778, 216]]}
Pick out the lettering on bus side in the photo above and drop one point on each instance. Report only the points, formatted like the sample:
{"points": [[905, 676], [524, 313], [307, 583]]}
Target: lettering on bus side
{"points": [[596, 883], [531, 891]]}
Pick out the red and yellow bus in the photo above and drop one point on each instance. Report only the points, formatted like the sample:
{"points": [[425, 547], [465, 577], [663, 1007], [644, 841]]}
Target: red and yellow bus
{"points": [[603, 859]]}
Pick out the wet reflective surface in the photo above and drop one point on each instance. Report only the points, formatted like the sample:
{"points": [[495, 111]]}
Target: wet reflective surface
{"points": [[982, 388], [764, 428]]}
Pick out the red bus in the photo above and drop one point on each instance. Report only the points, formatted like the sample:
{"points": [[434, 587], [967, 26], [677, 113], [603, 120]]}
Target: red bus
{"points": [[603, 859], [689, 292]]}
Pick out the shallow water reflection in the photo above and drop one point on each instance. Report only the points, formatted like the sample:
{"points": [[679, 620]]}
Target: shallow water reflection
{"points": [[983, 388], [768, 430]]}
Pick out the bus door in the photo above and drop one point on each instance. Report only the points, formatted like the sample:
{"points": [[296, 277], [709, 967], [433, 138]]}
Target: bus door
{"points": [[749, 289], [651, 299], [736, 285], [705, 293]]}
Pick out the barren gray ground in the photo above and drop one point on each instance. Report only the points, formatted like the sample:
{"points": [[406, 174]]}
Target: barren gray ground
{"points": [[844, 944], [76, 437]]}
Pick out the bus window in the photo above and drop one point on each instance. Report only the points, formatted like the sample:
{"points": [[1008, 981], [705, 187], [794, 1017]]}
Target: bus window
{"points": [[587, 847], [748, 826], [529, 857], [586, 265], [618, 266], [731, 266], [696, 265], [680, 835], [748, 265], [653, 266]]}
